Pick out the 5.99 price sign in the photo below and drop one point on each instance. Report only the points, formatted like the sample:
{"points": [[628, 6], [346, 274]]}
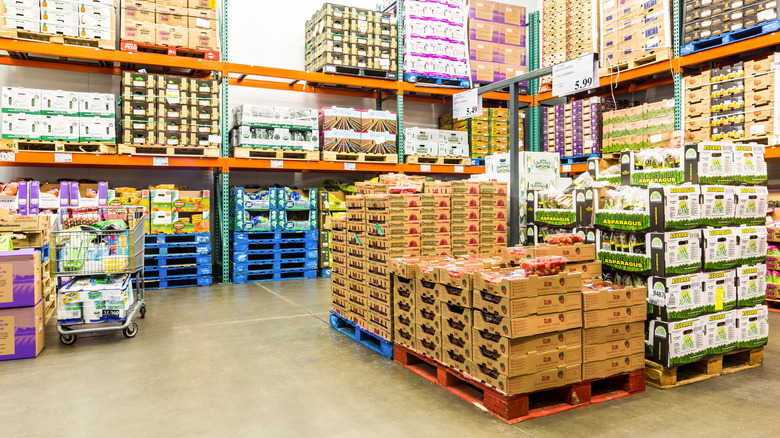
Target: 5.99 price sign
{"points": [[579, 74]]}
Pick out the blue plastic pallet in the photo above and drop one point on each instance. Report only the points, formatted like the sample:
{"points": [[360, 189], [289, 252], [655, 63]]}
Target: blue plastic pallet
{"points": [[275, 236], [178, 239], [178, 282], [477, 161], [175, 261], [325, 273], [303, 244], [155, 250], [731, 37], [244, 268], [362, 336], [268, 255], [578, 158], [436, 81], [45, 252], [292, 274], [157, 272]]}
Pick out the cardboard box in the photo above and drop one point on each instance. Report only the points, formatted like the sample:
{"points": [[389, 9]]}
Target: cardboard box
{"points": [[601, 335], [522, 307], [752, 327], [528, 326], [578, 252], [20, 271], [531, 286], [605, 295], [613, 316], [609, 350], [139, 31], [610, 367], [457, 340], [202, 39], [675, 343], [530, 363], [530, 383], [22, 331], [493, 341]]}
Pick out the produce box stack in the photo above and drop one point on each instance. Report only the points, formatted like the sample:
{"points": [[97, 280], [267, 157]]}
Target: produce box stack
{"points": [[649, 125], [378, 132], [357, 284], [340, 302], [352, 131], [191, 24], [734, 102], [773, 264], [478, 128], [169, 112], [340, 37], [435, 216], [404, 309], [574, 129], [569, 30], [634, 33], [436, 42], [488, 133], [436, 143], [497, 41], [712, 22], [56, 115], [274, 128], [493, 215], [427, 314], [331, 205], [91, 20]]}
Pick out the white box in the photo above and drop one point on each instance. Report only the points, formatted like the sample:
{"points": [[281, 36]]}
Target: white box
{"points": [[60, 28], [100, 8], [720, 330], [21, 100], [22, 23], [97, 129], [23, 126], [59, 127], [22, 9], [55, 16], [448, 150], [415, 147], [60, 5], [422, 135], [54, 102], [752, 327], [541, 163], [95, 32], [97, 105], [95, 19]]}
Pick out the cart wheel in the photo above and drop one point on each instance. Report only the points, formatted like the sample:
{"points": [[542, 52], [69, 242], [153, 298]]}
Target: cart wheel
{"points": [[68, 339], [131, 330], [143, 311]]}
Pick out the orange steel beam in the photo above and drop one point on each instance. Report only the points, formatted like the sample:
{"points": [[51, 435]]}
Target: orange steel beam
{"points": [[772, 153], [731, 49], [300, 87], [67, 51], [296, 75], [46, 159], [55, 65]]}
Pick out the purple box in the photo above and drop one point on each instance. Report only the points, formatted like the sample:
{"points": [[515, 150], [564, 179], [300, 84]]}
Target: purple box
{"points": [[24, 200], [21, 332], [20, 278]]}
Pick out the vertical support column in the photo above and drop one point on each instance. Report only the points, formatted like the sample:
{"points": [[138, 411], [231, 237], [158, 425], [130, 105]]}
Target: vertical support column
{"points": [[221, 176], [678, 81], [514, 166], [534, 114], [400, 137]]}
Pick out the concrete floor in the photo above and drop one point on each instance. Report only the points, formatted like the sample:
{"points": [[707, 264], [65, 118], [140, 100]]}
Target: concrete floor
{"points": [[261, 360]]}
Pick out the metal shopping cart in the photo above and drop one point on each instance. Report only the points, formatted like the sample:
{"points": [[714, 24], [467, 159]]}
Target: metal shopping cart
{"points": [[95, 247]]}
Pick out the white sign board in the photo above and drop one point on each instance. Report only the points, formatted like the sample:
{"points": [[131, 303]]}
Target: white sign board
{"points": [[579, 74], [466, 104]]}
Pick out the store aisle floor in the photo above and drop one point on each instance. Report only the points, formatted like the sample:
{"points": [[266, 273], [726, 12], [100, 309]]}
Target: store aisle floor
{"points": [[261, 360]]}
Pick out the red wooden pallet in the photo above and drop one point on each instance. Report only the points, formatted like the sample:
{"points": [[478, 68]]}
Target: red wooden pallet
{"points": [[773, 305], [515, 408], [132, 46]]}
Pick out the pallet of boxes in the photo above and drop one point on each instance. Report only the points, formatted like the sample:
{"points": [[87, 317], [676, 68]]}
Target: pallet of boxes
{"points": [[29, 298], [634, 34], [172, 27], [273, 132], [436, 146], [91, 24], [349, 134], [170, 116]]}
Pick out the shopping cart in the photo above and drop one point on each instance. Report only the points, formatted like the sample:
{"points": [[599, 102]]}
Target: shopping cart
{"points": [[90, 248]]}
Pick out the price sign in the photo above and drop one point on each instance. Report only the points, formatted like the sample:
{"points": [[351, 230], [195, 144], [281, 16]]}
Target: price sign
{"points": [[63, 158], [160, 161], [425, 167], [277, 164], [579, 74], [458, 169], [349, 166], [467, 104]]}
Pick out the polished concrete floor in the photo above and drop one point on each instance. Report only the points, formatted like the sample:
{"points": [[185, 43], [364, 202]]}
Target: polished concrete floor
{"points": [[260, 360]]}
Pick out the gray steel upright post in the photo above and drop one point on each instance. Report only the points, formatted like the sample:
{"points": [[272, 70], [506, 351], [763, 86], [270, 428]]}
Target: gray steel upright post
{"points": [[514, 166]]}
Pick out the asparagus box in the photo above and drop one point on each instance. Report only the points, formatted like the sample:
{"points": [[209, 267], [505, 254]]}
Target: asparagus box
{"points": [[720, 330], [752, 245], [752, 327], [720, 248], [675, 343], [709, 163], [718, 206], [751, 285], [675, 298], [749, 164], [720, 290], [675, 253], [750, 205]]}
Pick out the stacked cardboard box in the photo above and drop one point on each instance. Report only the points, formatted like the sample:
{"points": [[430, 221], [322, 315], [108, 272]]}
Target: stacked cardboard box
{"points": [[331, 205], [436, 142], [340, 302], [574, 129], [632, 31], [56, 115], [352, 37], [357, 284], [488, 133], [569, 30], [734, 102], [497, 41], [274, 127], [165, 110], [705, 20], [176, 23], [645, 126], [348, 130], [493, 214], [177, 210], [93, 19]]}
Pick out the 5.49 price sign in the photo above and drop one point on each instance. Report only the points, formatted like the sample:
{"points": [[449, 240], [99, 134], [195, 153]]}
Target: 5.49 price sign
{"points": [[466, 104], [579, 74]]}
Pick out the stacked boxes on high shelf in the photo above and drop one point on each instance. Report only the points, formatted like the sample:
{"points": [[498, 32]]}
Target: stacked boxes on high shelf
{"points": [[569, 30], [574, 129], [734, 102], [488, 133], [435, 143], [170, 115], [56, 115], [352, 38], [91, 20], [274, 128], [190, 24], [707, 24], [31, 298], [352, 135], [497, 41], [634, 33], [435, 42], [274, 234], [645, 126]]}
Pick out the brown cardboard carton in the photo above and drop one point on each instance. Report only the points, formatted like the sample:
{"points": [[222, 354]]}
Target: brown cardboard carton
{"points": [[521, 307], [527, 326], [465, 225], [610, 350], [519, 347], [202, 39], [434, 227], [530, 363], [587, 269], [202, 19], [429, 345], [465, 200], [466, 186], [405, 336], [22, 332], [457, 340], [611, 296], [465, 214], [139, 11], [453, 295], [465, 238], [175, 36], [456, 317], [139, 31], [171, 15], [529, 383], [578, 252], [455, 360], [610, 367], [435, 200], [528, 287], [614, 316]]}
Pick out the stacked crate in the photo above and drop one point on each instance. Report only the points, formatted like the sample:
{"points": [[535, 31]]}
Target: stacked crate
{"points": [[353, 131], [645, 126], [170, 112], [707, 24], [493, 214], [274, 234], [338, 275], [634, 33], [436, 143], [92, 20], [497, 41], [465, 224], [488, 133], [574, 129], [357, 288], [569, 30], [435, 216], [274, 128], [345, 36], [733, 102], [404, 309], [191, 24]]}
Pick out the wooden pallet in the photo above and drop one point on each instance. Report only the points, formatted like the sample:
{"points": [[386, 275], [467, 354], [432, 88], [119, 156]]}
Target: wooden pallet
{"points": [[170, 151], [773, 305], [516, 408], [428, 159], [275, 154], [359, 157], [662, 377], [186, 52], [651, 58], [21, 34], [16, 145]]}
